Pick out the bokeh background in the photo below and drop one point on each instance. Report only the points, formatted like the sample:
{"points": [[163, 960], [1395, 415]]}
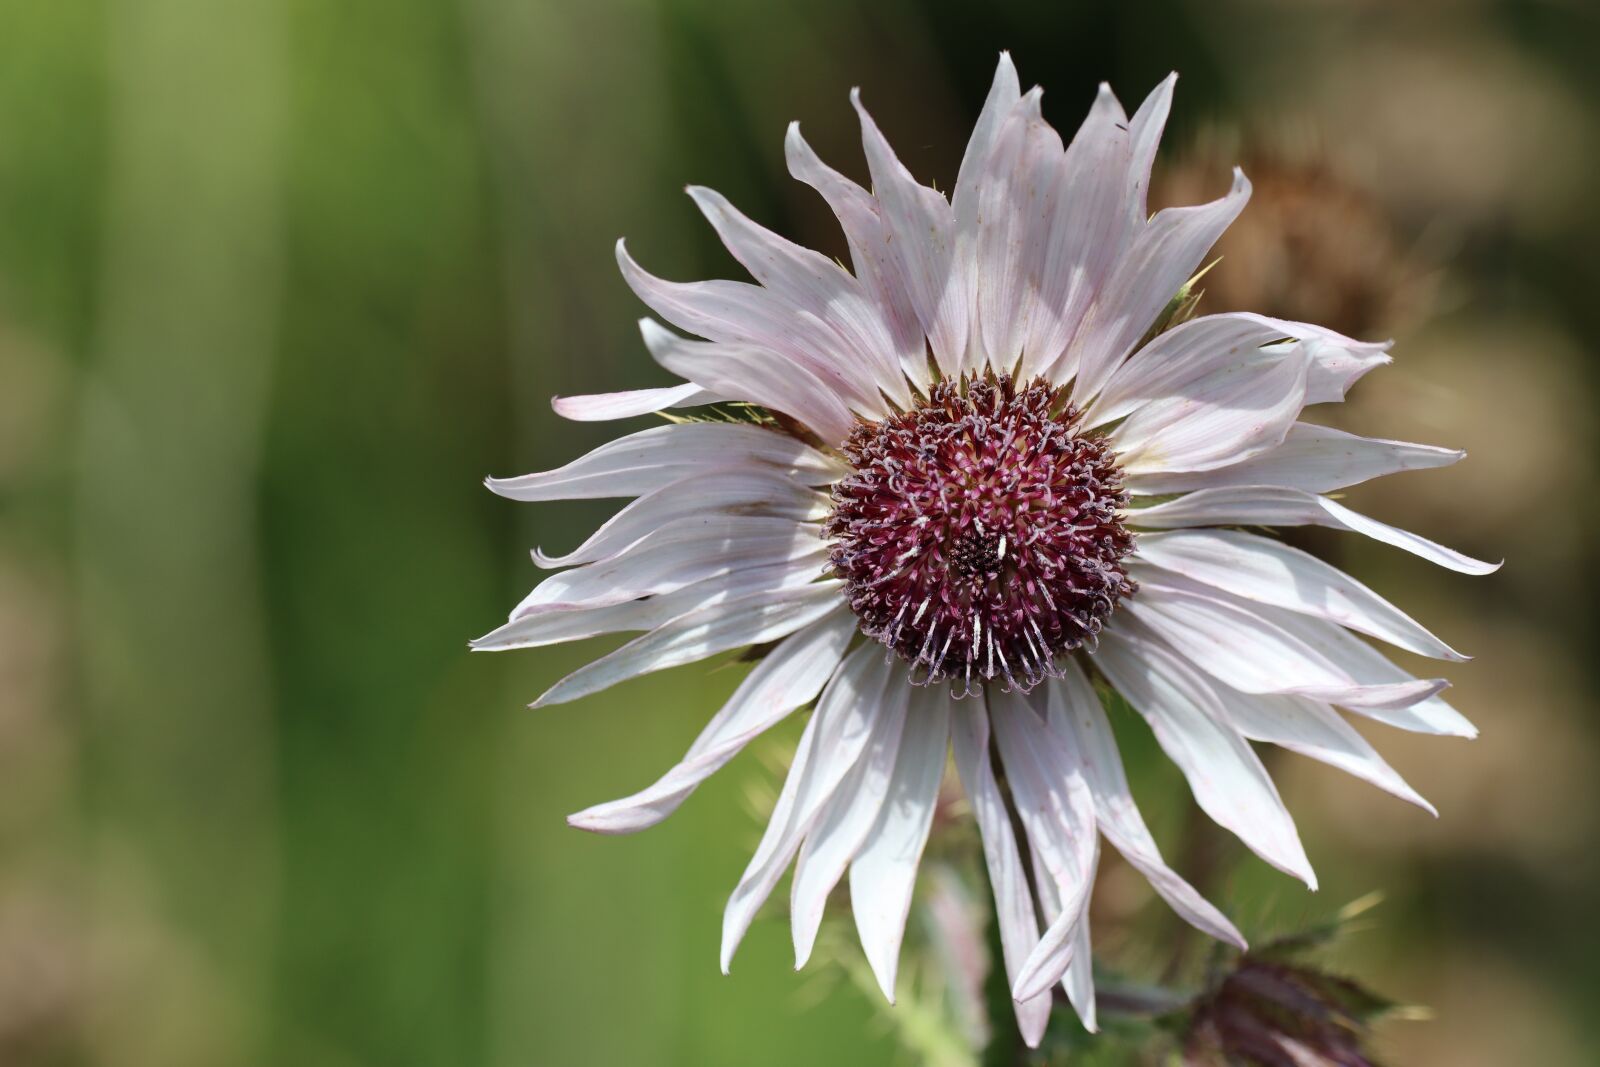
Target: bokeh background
{"points": [[280, 282]]}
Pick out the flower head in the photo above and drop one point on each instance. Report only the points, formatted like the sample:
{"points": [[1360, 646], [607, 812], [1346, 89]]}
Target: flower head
{"points": [[995, 479]]}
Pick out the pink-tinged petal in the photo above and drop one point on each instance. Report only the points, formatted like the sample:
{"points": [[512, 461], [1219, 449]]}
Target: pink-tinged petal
{"points": [[1269, 572], [1004, 92], [869, 238], [749, 620], [1019, 923], [832, 743], [1163, 256], [847, 819], [636, 464], [814, 283], [1317, 459], [742, 490], [1227, 779], [1079, 979], [884, 871], [741, 313], [1075, 712], [922, 247], [790, 676], [1241, 648], [1221, 419], [1276, 505], [603, 407], [1144, 137], [754, 375]]}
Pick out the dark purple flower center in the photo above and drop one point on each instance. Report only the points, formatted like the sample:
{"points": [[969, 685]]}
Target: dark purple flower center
{"points": [[979, 533]]}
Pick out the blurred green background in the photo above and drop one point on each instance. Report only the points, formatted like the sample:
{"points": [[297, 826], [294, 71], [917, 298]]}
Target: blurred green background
{"points": [[280, 282]]}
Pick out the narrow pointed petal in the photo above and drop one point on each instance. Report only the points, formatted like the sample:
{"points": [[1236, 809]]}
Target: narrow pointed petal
{"points": [[1019, 923], [749, 620], [830, 746], [790, 676], [603, 407], [756, 376], [636, 464], [1269, 572], [1316, 459], [848, 818], [1227, 779], [923, 247], [884, 871], [1004, 92], [1273, 505], [1076, 713]]}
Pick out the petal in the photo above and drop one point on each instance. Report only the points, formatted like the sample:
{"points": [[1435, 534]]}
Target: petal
{"points": [[1221, 419], [640, 462], [1004, 92], [1057, 811], [885, 869], [922, 246], [754, 375], [1243, 648], [688, 550], [1076, 713], [1317, 459], [814, 283], [1019, 924], [790, 676], [747, 490], [741, 313], [602, 407], [869, 238], [1227, 779], [832, 743], [1271, 505], [1316, 730], [1079, 979], [1163, 256], [1270, 572], [848, 818], [748, 620]]}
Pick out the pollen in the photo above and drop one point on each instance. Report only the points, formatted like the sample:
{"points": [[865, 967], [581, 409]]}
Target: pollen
{"points": [[980, 533]]}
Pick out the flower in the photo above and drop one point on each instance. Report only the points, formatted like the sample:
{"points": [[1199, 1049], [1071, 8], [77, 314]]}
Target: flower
{"points": [[975, 479]]}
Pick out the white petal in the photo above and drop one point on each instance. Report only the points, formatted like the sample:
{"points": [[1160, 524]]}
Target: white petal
{"points": [[1272, 505], [748, 620], [575, 623], [1221, 419], [1089, 233], [1079, 979], [1227, 779], [1317, 459], [1144, 137], [848, 818], [1176, 359], [829, 748], [1316, 730], [1164, 255], [1019, 923], [741, 313], [1270, 572], [869, 238], [601, 407], [1075, 712], [682, 552], [1057, 811], [651, 458], [790, 676], [885, 869], [814, 283], [1243, 648], [754, 375], [1004, 92], [923, 246], [740, 490]]}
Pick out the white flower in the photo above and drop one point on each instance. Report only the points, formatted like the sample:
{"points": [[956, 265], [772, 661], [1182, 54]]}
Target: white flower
{"points": [[973, 461]]}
